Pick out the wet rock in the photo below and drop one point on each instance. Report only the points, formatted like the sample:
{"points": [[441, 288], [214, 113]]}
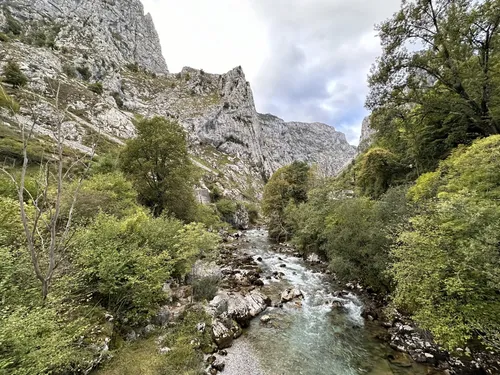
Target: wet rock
{"points": [[222, 352], [283, 265], [218, 365], [265, 319], [259, 259], [400, 359], [290, 294], [338, 305], [222, 335]]}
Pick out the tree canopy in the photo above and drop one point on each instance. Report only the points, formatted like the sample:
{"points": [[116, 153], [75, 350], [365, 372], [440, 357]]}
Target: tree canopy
{"points": [[158, 163]]}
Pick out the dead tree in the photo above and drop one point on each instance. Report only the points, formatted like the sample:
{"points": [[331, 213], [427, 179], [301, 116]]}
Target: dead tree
{"points": [[47, 234]]}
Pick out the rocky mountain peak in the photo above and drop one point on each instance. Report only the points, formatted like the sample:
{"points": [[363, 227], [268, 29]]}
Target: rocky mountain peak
{"points": [[115, 32]]}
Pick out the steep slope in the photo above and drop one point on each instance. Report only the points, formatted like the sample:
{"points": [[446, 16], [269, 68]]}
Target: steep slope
{"points": [[69, 45]]}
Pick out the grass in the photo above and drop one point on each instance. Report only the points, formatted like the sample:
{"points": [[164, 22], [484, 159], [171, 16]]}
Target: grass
{"points": [[185, 358]]}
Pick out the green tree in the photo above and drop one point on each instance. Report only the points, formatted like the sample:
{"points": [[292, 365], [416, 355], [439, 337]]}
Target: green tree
{"points": [[443, 91], [447, 264], [288, 184], [158, 163]]}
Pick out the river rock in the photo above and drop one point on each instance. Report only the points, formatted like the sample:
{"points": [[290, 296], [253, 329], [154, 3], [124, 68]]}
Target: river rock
{"points": [[265, 319], [222, 334], [290, 294], [239, 306]]}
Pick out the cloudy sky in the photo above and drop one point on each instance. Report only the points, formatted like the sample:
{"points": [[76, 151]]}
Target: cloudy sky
{"points": [[306, 60]]}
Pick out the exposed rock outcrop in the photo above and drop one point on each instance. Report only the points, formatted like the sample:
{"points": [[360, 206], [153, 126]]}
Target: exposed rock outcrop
{"points": [[110, 32], [76, 43]]}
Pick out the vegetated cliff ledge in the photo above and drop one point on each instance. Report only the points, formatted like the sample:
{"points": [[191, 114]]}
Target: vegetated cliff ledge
{"points": [[106, 57]]}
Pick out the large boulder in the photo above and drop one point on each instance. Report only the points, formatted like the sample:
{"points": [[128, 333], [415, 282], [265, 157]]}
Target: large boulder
{"points": [[241, 307], [291, 294]]}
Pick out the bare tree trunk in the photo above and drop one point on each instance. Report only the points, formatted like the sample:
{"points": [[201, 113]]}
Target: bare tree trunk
{"points": [[46, 255]]}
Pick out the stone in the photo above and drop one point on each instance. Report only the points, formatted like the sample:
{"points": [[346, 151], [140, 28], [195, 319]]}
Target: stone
{"points": [[218, 365], [164, 350], [162, 317], [223, 336], [265, 319], [291, 294]]}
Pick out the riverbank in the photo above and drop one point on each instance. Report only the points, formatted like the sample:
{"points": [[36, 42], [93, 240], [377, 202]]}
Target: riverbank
{"points": [[322, 332]]}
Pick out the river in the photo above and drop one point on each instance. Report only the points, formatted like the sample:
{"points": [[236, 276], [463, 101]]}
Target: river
{"points": [[310, 338]]}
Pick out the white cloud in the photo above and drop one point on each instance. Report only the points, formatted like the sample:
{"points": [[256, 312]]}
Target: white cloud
{"points": [[307, 60]]}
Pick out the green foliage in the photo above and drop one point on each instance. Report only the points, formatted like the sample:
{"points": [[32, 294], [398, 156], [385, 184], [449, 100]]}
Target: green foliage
{"points": [[253, 212], [69, 70], [13, 26], [288, 184], [96, 87], [158, 163], [122, 267], [133, 67], [6, 101], [205, 288], [353, 234], [142, 357], [84, 72], [42, 340], [444, 92], [227, 208], [124, 262], [13, 75], [447, 264], [377, 171], [209, 216], [4, 38], [109, 193]]}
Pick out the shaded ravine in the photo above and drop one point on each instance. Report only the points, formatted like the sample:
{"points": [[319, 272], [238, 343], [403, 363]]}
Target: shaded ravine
{"points": [[309, 337]]}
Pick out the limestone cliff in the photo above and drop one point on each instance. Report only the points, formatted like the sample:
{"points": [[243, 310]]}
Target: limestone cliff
{"points": [[69, 45]]}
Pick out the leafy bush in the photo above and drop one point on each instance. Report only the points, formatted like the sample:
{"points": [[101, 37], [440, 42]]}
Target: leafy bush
{"points": [[6, 101], [13, 75], [124, 263], [4, 38], [133, 67], [447, 264], [288, 184], [96, 87], [109, 193], [13, 26], [253, 212], [226, 207], [69, 70], [84, 72], [205, 288]]}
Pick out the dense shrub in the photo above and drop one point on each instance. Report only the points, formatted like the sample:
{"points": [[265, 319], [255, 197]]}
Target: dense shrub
{"points": [[288, 184], [13, 75], [124, 263], [96, 87], [84, 72], [69, 70], [205, 288], [447, 264]]}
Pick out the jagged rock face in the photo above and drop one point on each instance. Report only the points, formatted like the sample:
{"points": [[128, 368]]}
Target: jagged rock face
{"points": [[227, 136], [116, 32], [367, 133]]}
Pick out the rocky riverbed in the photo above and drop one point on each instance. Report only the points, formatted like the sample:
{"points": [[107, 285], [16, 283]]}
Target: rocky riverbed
{"points": [[293, 319], [277, 313]]}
